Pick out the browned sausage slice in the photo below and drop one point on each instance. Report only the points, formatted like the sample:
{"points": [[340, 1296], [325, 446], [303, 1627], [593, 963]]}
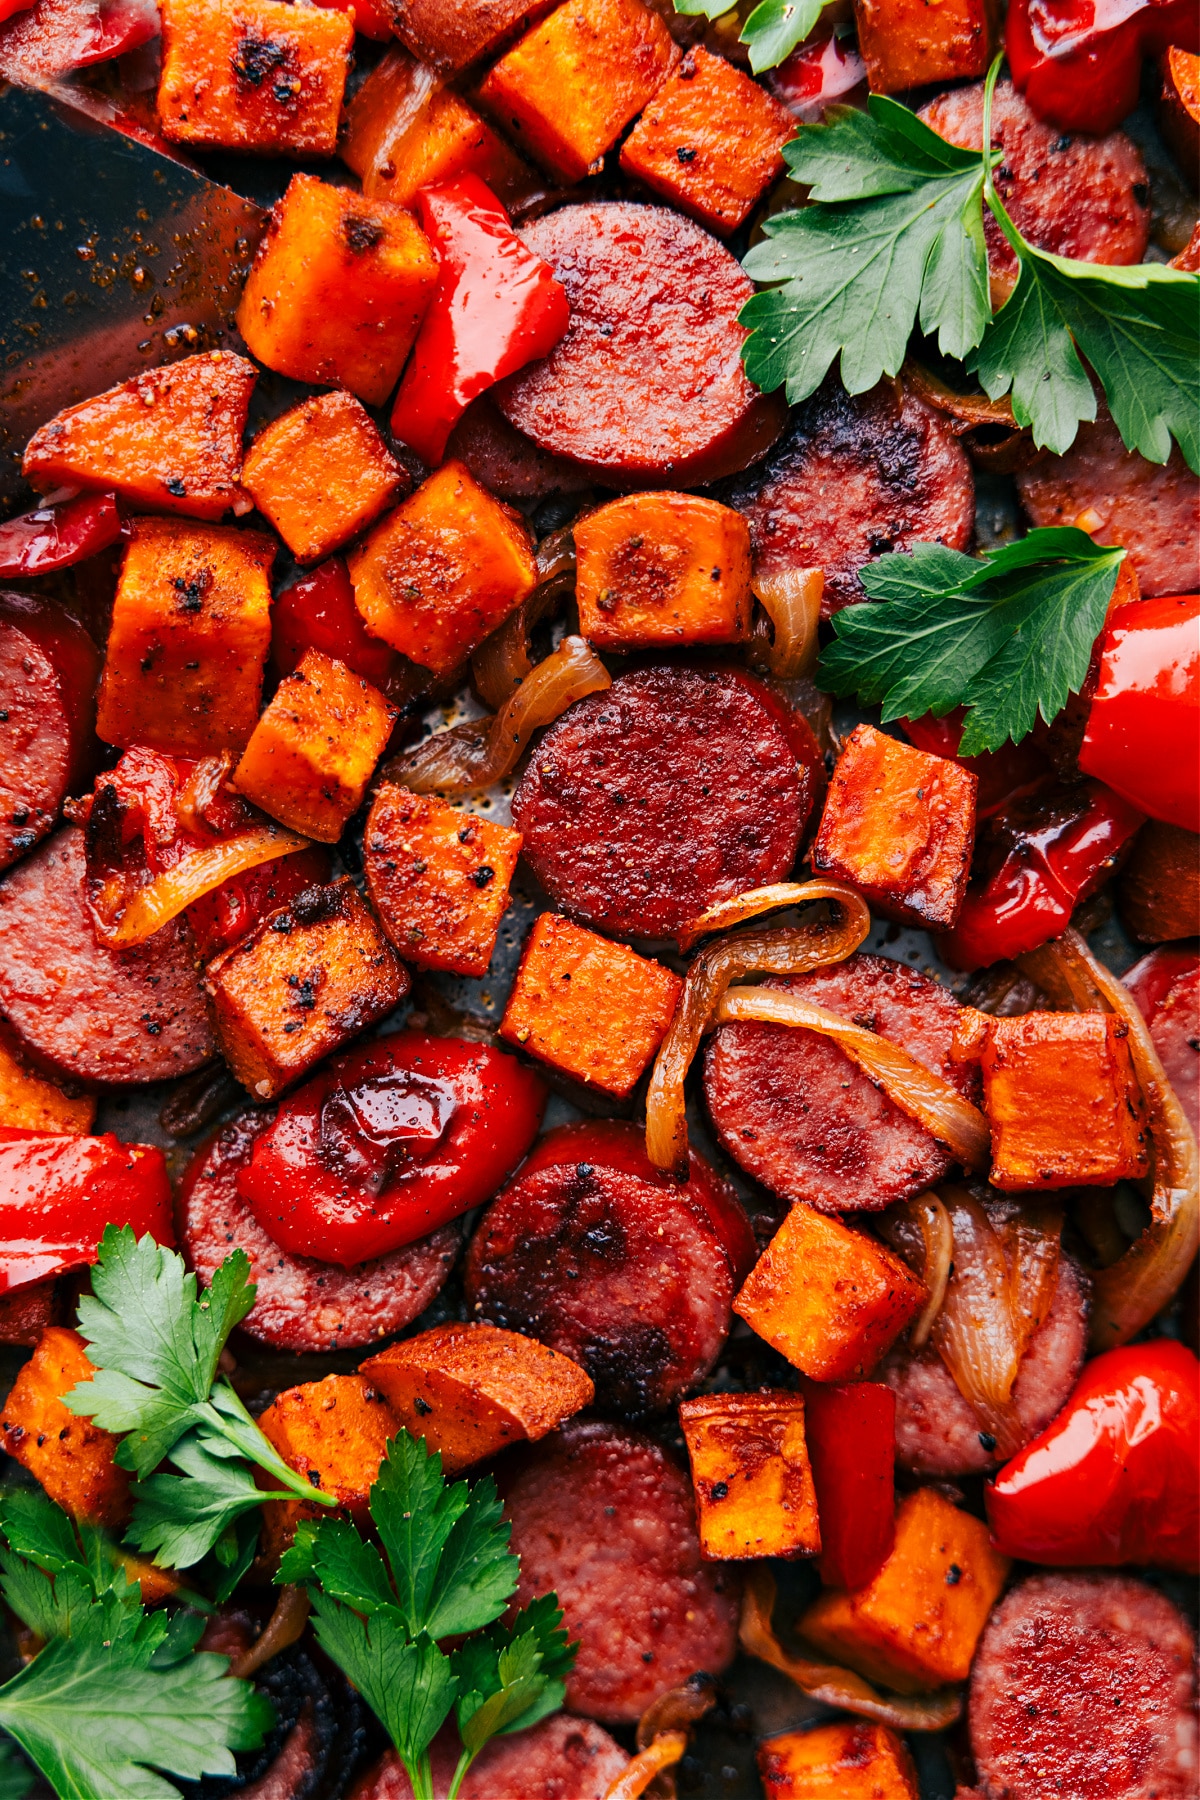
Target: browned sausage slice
{"points": [[605, 1518], [507, 463], [675, 788], [856, 476], [48, 670], [95, 1014], [647, 387], [560, 1759], [1085, 1685], [800, 1117], [301, 1304]]}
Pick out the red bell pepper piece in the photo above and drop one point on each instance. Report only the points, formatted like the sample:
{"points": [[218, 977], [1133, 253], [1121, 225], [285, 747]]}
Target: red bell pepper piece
{"points": [[56, 537], [52, 37], [1003, 773], [817, 75], [59, 1191], [496, 307], [1079, 62], [318, 613], [1116, 1477], [851, 1431], [1143, 731]]}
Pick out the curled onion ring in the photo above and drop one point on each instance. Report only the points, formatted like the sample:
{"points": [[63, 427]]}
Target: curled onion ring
{"points": [[792, 601], [502, 661], [663, 1752], [194, 876], [284, 1628], [921, 1230], [746, 905]]}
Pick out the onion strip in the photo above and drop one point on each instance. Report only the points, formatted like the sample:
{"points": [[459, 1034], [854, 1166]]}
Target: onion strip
{"points": [[969, 409], [747, 905], [284, 1627], [663, 1753], [792, 602], [194, 876], [923, 1225], [502, 661]]}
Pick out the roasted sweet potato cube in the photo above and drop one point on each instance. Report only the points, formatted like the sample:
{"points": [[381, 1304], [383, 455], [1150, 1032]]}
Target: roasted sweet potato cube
{"points": [[438, 878], [663, 569], [469, 1390], [301, 984], [315, 747], [751, 1473], [1179, 110], [191, 630], [848, 1760], [593, 1008], [170, 439], [321, 473], [339, 286], [1158, 894], [829, 1299], [253, 74], [567, 91], [156, 1584], [334, 1432], [899, 825], [710, 141], [443, 570], [452, 34], [916, 1624], [907, 43], [31, 1100], [71, 1457]]}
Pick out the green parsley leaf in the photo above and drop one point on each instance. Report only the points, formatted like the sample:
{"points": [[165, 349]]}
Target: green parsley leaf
{"points": [[1008, 635], [16, 1777], [772, 31], [510, 1678], [179, 1519], [409, 1685]]}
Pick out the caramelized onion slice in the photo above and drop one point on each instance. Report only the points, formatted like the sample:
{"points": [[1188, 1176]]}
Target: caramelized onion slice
{"points": [[284, 1628], [197, 874], [921, 1230], [473, 756], [503, 661], [968, 409], [792, 602], [677, 1709], [663, 1753], [830, 1684], [747, 905], [785, 950]]}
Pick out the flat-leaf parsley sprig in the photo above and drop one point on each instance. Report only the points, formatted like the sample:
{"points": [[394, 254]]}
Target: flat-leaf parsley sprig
{"points": [[445, 1571], [1008, 635], [771, 32]]}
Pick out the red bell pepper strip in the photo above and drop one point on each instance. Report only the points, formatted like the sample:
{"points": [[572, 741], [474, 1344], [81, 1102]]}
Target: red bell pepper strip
{"points": [[52, 37], [817, 75], [496, 307], [1079, 62], [318, 613], [59, 1191], [851, 1431], [1116, 1477], [56, 537], [1143, 731]]}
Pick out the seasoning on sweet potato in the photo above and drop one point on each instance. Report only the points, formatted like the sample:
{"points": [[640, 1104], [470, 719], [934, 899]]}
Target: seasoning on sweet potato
{"points": [[1179, 109], [899, 825], [851, 1759], [751, 1474], [663, 569], [829, 1299], [916, 1624], [593, 1008], [469, 1390], [32, 1101], [315, 747], [438, 878], [451, 34], [339, 286], [71, 1457], [321, 473], [334, 1432], [170, 439], [1065, 1106], [27, 1312], [908, 43], [437, 575], [301, 984], [191, 629], [567, 91], [253, 74], [1158, 893], [710, 141]]}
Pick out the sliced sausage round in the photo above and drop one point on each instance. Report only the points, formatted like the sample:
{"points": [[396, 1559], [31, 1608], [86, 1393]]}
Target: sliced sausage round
{"points": [[605, 1518], [505, 462], [560, 1759], [855, 476], [1082, 197], [592, 1251], [647, 387], [1153, 509], [675, 788], [48, 670], [799, 1116], [1166, 986], [301, 1304], [937, 1433], [94, 1014], [1084, 1685]]}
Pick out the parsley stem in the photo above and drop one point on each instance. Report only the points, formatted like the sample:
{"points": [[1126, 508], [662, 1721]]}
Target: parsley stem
{"points": [[226, 1414], [464, 1763], [996, 205]]}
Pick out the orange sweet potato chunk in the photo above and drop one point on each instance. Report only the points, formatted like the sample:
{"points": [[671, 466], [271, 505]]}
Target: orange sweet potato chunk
{"points": [[320, 474], [829, 1299], [593, 1008], [71, 1457], [33, 1102], [907, 43], [339, 286], [848, 1760], [253, 74], [1179, 109], [567, 91], [334, 1432], [438, 878], [191, 630], [469, 1390], [170, 439], [751, 1474], [917, 1622], [663, 569], [452, 34], [899, 825], [710, 141], [437, 575]]}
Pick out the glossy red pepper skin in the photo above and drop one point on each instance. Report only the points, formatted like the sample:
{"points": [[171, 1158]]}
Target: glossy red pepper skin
{"points": [[57, 537], [318, 613], [1116, 1477], [818, 75], [389, 1142], [59, 1191], [1143, 730], [1079, 62], [851, 1431], [495, 308]]}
